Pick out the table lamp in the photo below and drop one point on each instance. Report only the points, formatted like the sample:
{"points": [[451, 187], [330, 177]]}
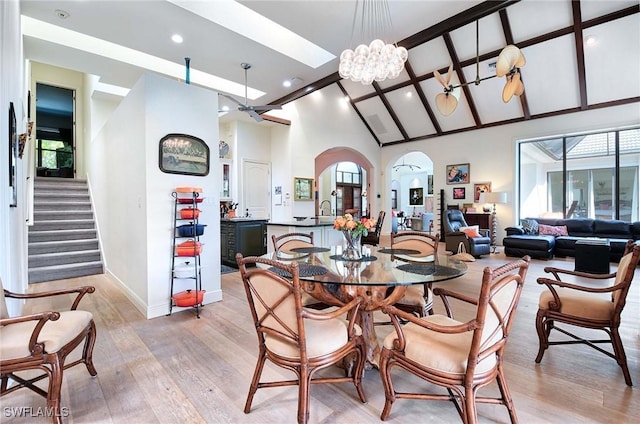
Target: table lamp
{"points": [[493, 197]]}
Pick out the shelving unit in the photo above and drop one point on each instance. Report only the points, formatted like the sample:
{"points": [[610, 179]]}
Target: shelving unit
{"points": [[186, 248]]}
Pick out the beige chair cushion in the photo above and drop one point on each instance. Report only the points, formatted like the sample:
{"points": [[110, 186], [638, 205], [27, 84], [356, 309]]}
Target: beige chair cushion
{"points": [[323, 337], [414, 296], [580, 304], [438, 351], [54, 334]]}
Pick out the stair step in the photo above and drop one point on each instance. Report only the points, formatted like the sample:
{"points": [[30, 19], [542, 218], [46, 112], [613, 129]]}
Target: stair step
{"points": [[37, 248], [68, 224], [60, 215], [62, 258], [61, 206], [54, 180], [55, 235], [60, 272], [60, 197]]}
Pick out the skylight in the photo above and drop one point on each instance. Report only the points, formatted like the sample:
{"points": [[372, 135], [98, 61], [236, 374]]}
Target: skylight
{"points": [[58, 35], [244, 21]]}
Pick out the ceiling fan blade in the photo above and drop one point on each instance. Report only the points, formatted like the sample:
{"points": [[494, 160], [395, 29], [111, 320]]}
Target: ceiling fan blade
{"points": [[266, 107], [254, 115], [509, 57], [446, 103], [449, 73], [234, 100], [441, 80], [519, 85], [510, 87]]}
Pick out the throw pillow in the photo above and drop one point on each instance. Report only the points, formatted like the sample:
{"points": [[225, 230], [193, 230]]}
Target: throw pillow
{"points": [[471, 231], [553, 230], [530, 226]]}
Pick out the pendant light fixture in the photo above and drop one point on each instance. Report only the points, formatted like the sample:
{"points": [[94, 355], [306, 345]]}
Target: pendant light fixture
{"points": [[378, 60]]}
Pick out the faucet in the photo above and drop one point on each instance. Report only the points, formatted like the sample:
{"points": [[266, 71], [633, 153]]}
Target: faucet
{"points": [[322, 206]]}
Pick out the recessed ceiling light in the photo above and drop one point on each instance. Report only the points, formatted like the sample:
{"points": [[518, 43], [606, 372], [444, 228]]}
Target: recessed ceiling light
{"points": [[62, 14], [590, 40], [225, 108], [409, 94], [286, 83], [176, 38]]}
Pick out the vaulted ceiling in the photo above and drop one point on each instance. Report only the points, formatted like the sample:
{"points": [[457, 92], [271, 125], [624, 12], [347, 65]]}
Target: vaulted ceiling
{"points": [[580, 55]]}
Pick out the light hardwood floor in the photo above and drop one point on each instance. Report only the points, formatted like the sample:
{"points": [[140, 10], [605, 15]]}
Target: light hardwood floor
{"points": [[179, 369]]}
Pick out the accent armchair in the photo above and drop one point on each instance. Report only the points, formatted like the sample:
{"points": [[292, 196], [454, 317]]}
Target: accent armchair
{"points": [[42, 341], [475, 246], [592, 306]]}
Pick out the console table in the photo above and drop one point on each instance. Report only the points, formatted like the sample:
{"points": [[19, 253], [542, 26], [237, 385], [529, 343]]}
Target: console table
{"points": [[483, 220]]}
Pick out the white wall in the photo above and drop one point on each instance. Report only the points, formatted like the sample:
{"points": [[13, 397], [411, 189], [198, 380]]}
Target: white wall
{"points": [[13, 229], [132, 196], [491, 153], [319, 121]]}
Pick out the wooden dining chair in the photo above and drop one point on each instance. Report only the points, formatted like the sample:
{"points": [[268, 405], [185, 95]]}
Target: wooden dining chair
{"points": [[42, 341], [418, 299], [291, 241], [461, 356], [296, 338], [586, 305]]}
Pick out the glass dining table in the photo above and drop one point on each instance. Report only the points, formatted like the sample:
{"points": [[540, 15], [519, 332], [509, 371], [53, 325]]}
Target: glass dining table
{"points": [[380, 279]]}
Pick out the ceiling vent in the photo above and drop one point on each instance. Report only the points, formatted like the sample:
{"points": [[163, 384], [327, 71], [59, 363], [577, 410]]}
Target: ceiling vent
{"points": [[376, 124]]}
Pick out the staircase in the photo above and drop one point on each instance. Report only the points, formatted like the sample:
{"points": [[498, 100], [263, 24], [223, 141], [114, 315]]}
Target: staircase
{"points": [[63, 241]]}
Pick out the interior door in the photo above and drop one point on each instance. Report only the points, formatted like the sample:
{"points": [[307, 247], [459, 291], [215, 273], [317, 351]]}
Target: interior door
{"points": [[256, 189], [55, 131]]}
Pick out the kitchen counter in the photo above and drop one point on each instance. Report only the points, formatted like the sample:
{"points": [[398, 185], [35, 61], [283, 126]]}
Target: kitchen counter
{"points": [[321, 227], [309, 222]]}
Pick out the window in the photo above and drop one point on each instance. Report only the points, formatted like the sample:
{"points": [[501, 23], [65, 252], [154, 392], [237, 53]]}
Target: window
{"points": [[581, 176]]}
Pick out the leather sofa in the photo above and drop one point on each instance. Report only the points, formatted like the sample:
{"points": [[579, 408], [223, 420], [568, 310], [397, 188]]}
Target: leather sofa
{"points": [[518, 243], [476, 246]]}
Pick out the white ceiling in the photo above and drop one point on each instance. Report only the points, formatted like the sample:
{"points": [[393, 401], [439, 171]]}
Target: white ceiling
{"points": [[551, 74]]}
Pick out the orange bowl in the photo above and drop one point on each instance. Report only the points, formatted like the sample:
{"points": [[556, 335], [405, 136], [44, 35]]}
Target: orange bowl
{"points": [[188, 298]]}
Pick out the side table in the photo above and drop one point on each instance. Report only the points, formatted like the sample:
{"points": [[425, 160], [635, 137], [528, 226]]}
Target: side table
{"points": [[592, 255]]}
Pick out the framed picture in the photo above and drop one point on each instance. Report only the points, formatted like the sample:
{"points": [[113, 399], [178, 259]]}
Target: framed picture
{"points": [[183, 154], [480, 188], [416, 198], [13, 156], [394, 199], [458, 174], [429, 184], [458, 193], [303, 189]]}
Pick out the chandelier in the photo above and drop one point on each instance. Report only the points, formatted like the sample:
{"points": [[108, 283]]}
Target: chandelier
{"points": [[508, 65], [402, 165], [377, 61]]}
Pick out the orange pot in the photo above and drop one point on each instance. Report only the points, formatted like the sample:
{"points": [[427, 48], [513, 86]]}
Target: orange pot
{"points": [[188, 298], [189, 213], [231, 214], [189, 248]]}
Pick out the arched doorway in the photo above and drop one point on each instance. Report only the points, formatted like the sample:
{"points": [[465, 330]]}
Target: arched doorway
{"points": [[411, 193], [342, 194]]}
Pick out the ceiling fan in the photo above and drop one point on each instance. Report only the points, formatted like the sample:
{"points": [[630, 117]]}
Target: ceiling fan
{"points": [[246, 107], [508, 65]]}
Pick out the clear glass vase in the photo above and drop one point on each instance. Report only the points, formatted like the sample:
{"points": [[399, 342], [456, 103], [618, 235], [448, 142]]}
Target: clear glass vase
{"points": [[352, 250]]}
